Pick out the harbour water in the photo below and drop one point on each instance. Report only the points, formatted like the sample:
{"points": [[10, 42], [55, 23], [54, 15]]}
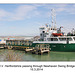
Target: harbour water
{"points": [[18, 55]]}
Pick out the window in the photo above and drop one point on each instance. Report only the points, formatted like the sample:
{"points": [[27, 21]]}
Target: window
{"points": [[74, 38], [18, 42], [55, 39], [52, 39], [40, 34], [62, 39], [12, 42], [43, 31], [47, 46], [49, 39], [70, 39]]}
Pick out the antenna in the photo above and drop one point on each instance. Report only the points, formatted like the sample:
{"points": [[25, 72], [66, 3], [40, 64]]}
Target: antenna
{"points": [[53, 18]]}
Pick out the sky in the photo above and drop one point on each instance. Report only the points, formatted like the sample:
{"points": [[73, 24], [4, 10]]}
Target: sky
{"points": [[25, 19]]}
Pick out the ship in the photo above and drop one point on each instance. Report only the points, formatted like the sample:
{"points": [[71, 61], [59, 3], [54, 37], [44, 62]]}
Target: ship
{"points": [[57, 40], [50, 37]]}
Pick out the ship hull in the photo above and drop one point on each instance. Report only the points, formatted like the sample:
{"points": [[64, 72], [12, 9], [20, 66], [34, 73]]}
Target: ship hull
{"points": [[61, 47]]}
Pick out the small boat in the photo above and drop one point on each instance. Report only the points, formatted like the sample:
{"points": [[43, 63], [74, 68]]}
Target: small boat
{"points": [[40, 49], [28, 49], [57, 34]]}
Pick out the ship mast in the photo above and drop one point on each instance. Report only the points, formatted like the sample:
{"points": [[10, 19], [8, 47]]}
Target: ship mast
{"points": [[53, 19]]}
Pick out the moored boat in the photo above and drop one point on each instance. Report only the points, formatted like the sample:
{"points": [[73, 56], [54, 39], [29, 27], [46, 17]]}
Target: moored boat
{"points": [[57, 40]]}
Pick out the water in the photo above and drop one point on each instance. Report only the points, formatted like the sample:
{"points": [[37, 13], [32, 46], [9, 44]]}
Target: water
{"points": [[18, 55]]}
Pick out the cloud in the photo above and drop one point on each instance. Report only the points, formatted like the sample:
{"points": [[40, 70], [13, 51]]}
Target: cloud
{"points": [[23, 11], [59, 8], [29, 11], [4, 14], [71, 9], [68, 8], [20, 13]]}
